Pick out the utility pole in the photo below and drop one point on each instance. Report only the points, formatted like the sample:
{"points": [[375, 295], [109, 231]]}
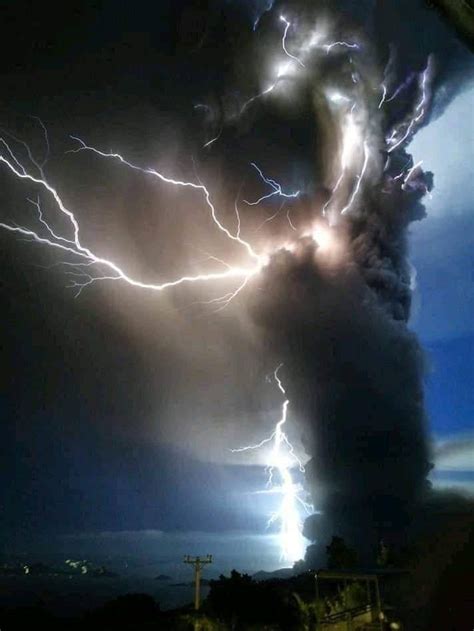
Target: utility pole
{"points": [[198, 562]]}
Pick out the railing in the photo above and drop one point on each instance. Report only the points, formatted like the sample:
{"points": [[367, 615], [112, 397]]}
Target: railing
{"points": [[347, 613]]}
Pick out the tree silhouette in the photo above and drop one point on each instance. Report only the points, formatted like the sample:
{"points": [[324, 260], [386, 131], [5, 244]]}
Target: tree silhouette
{"points": [[340, 556]]}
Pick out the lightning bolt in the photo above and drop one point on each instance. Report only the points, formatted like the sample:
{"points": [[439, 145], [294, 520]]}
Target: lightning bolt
{"points": [[384, 95], [283, 42], [333, 192], [410, 173], [277, 190], [280, 72], [401, 87], [213, 140], [89, 267], [259, 96], [282, 459], [308, 45], [329, 47], [417, 116], [359, 179], [351, 139]]}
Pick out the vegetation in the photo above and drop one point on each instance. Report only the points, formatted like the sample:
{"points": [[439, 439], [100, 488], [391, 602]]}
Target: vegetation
{"points": [[340, 556], [434, 587]]}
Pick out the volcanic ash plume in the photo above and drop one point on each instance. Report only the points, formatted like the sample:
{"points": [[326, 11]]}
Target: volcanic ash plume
{"points": [[335, 307], [356, 381]]}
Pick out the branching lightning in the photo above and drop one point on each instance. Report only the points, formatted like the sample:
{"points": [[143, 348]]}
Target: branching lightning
{"points": [[281, 460], [85, 267], [398, 136], [277, 190], [280, 72], [107, 269], [351, 140], [284, 69]]}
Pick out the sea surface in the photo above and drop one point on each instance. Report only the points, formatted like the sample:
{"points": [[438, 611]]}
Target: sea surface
{"points": [[149, 562]]}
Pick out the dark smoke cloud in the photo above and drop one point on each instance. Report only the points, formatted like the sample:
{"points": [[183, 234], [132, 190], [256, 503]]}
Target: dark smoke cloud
{"points": [[355, 374], [404, 33], [415, 30], [353, 369]]}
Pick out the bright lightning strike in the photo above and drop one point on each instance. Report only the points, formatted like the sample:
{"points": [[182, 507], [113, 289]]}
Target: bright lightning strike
{"points": [[414, 168], [281, 71], [277, 190], [259, 95], [213, 140], [401, 87], [281, 460], [333, 192], [103, 269], [384, 95], [417, 116], [329, 47], [283, 42], [359, 179], [351, 140]]}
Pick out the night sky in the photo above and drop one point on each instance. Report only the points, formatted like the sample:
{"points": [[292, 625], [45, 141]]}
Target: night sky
{"points": [[118, 407]]}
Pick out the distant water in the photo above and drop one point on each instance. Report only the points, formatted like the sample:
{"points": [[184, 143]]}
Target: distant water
{"points": [[138, 557], [69, 596]]}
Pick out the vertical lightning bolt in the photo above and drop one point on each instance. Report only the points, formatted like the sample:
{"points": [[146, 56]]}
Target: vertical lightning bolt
{"points": [[280, 463], [359, 179], [283, 41], [383, 87], [281, 70], [351, 139], [398, 137]]}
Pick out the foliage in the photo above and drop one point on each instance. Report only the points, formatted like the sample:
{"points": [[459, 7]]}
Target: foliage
{"points": [[248, 604], [196, 622], [348, 597], [125, 611], [308, 614], [383, 555]]}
